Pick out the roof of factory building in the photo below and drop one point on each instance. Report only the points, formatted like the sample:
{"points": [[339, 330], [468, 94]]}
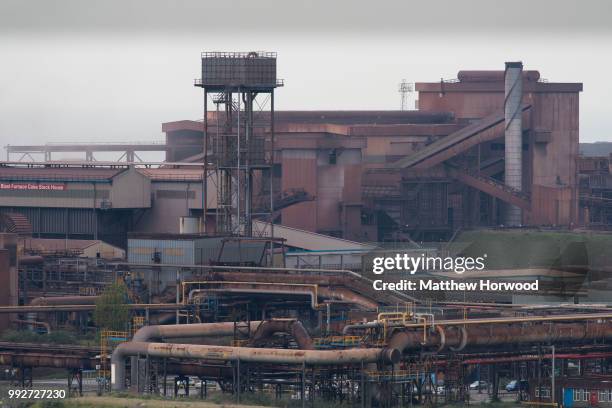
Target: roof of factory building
{"points": [[57, 173], [330, 117], [168, 174], [53, 245], [91, 173], [493, 81]]}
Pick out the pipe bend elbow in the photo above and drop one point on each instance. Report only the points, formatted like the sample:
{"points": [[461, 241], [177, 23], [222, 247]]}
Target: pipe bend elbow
{"points": [[147, 333], [121, 352], [464, 339]]}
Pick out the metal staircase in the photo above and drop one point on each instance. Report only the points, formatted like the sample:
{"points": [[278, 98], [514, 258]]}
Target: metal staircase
{"points": [[486, 129], [490, 186]]}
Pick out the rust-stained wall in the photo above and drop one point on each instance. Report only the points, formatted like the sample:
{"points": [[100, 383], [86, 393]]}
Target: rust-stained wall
{"points": [[299, 169], [552, 205], [550, 160], [554, 163], [336, 186]]}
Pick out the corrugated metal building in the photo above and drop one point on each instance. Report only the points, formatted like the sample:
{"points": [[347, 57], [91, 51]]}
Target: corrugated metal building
{"points": [[100, 202], [193, 249]]}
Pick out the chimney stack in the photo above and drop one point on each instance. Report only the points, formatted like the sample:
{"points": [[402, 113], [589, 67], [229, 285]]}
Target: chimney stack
{"points": [[513, 78]]}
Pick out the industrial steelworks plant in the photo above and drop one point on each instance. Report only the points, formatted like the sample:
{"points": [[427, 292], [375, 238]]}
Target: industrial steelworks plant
{"points": [[243, 261]]}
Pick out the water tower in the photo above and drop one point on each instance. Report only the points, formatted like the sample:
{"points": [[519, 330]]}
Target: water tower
{"points": [[239, 138]]}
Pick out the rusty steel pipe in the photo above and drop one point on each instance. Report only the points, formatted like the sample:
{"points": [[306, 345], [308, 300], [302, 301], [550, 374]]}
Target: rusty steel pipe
{"points": [[523, 319], [301, 289], [61, 301], [348, 296], [306, 290], [346, 274], [290, 326], [245, 354], [184, 331], [31, 260], [262, 329], [84, 308], [458, 337], [64, 300], [10, 358]]}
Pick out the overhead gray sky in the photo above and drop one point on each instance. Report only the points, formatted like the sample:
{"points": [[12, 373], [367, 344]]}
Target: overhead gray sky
{"points": [[115, 70]]}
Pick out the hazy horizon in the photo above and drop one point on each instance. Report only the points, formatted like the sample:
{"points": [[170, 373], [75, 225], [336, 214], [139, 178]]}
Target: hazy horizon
{"points": [[76, 71]]}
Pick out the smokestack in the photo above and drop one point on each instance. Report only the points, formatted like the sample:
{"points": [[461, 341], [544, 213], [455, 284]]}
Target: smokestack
{"points": [[513, 78]]}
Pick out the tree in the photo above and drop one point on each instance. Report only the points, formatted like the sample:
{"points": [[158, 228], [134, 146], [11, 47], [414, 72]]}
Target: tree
{"points": [[112, 312]]}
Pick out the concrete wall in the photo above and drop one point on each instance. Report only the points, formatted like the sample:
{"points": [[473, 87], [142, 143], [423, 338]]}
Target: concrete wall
{"points": [[169, 202]]}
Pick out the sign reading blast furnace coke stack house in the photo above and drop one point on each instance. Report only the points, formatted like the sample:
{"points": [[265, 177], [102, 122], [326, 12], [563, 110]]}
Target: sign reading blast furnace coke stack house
{"points": [[32, 186]]}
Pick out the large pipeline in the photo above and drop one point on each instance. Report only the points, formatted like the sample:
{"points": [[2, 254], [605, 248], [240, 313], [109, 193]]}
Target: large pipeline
{"points": [[356, 283], [234, 354], [262, 330], [84, 308], [64, 300], [311, 290], [460, 337], [186, 331], [356, 279], [37, 359], [60, 301], [31, 260], [293, 327], [182, 331]]}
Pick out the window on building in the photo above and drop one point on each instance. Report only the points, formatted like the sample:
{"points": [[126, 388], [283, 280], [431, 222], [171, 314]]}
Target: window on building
{"points": [[543, 392], [603, 396], [581, 395]]}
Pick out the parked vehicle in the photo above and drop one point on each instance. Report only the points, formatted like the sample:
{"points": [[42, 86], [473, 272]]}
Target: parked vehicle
{"points": [[517, 385], [478, 385]]}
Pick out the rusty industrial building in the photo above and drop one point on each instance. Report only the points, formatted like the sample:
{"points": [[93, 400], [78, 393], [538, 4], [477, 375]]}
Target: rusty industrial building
{"points": [[245, 253]]}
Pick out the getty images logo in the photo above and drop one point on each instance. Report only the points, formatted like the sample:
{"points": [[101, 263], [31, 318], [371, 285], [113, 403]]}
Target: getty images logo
{"points": [[412, 264]]}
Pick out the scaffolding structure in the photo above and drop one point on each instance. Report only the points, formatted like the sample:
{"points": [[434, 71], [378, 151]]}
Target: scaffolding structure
{"points": [[109, 339], [239, 138]]}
